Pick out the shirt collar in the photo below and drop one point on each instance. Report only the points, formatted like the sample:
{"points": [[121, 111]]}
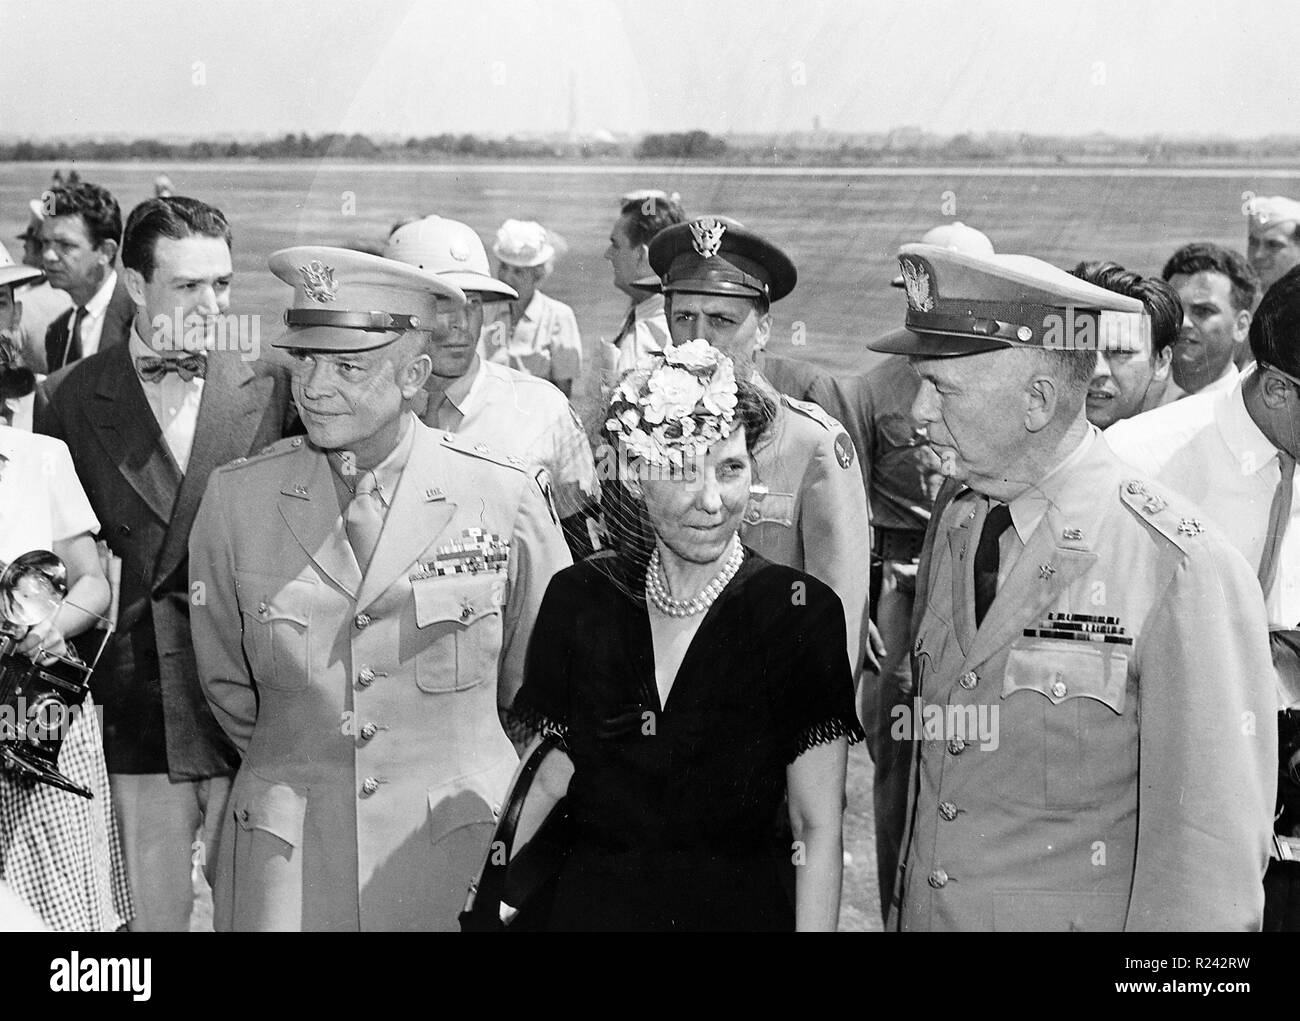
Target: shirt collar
{"points": [[1241, 435], [459, 392], [648, 309], [533, 310], [388, 472], [98, 305], [1028, 508]]}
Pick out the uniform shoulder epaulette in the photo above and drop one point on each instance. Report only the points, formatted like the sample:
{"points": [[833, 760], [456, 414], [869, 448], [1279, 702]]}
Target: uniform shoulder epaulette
{"points": [[844, 451], [1162, 512], [814, 411], [283, 446], [466, 445]]}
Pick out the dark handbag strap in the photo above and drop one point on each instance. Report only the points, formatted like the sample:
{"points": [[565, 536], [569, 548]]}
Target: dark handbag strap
{"points": [[483, 907]]}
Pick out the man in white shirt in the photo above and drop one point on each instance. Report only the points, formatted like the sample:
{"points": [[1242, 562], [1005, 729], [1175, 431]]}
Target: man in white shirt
{"points": [[642, 215], [147, 422], [79, 242], [1233, 454], [504, 409], [1217, 289], [541, 334]]}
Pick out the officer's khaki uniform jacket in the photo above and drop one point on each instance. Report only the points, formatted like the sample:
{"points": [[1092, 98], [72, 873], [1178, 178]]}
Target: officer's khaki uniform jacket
{"points": [[365, 708], [809, 510], [1126, 786]]}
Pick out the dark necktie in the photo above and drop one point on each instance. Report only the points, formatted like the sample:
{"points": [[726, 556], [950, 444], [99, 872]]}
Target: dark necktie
{"points": [[6, 413], [152, 369], [629, 326], [72, 345], [986, 559]]}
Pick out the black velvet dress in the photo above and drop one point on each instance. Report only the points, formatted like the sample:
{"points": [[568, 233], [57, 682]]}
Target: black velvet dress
{"points": [[675, 812]]}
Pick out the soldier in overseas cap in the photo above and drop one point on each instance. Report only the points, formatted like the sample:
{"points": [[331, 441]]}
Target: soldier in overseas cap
{"points": [[1091, 727], [367, 595], [485, 401], [807, 509], [1272, 237]]}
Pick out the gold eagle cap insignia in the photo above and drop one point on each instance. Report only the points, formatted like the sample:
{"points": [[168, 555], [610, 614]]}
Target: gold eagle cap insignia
{"points": [[706, 237], [916, 280], [318, 281]]}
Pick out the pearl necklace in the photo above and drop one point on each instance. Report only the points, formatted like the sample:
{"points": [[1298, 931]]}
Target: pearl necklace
{"points": [[656, 586]]}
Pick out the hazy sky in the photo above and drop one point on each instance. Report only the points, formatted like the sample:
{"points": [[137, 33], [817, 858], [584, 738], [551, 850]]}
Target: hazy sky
{"points": [[196, 67]]}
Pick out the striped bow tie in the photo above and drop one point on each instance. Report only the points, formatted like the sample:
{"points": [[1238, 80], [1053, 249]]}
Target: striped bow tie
{"points": [[153, 369]]}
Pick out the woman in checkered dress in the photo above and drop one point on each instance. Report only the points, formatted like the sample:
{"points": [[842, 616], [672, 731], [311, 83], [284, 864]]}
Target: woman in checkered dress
{"points": [[60, 853]]}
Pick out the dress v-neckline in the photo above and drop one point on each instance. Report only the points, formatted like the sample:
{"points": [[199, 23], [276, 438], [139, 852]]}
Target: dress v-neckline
{"points": [[644, 640]]}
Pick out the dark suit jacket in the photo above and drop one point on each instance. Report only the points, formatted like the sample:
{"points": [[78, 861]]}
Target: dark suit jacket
{"points": [[117, 325], [155, 716]]}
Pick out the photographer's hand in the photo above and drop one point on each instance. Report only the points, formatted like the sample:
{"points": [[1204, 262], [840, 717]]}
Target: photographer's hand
{"points": [[43, 642]]}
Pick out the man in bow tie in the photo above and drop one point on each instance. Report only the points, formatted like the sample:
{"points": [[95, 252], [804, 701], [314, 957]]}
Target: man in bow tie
{"points": [[147, 422]]}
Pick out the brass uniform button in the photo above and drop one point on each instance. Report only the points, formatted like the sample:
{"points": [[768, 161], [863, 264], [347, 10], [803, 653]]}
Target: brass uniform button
{"points": [[362, 621], [938, 879], [369, 731], [948, 810], [369, 785], [956, 746], [1059, 689], [366, 677], [969, 679]]}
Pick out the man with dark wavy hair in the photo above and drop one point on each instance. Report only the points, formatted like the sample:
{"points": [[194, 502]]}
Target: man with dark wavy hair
{"points": [[1131, 378], [641, 215], [1217, 289], [79, 239], [147, 422]]}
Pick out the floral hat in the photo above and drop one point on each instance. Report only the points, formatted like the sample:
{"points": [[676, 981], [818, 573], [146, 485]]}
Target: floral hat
{"points": [[678, 407]]}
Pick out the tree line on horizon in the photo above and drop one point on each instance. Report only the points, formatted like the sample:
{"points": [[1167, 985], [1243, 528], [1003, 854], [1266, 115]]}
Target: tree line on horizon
{"points": [[899, 145]]}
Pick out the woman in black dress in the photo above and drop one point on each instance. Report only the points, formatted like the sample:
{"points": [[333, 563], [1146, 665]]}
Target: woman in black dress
{"points": [[697, 691]]}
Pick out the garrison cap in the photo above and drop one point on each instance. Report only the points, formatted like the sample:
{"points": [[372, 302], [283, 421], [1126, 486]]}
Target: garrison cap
{"points": [[353, 301], [962, 304], [449, 250], [717, 255], [1269, 212]]}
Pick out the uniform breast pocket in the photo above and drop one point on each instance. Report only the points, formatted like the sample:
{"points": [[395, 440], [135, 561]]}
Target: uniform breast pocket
{"points": [[459, 617], [769, 508], [1067, 700], [277, 617]]}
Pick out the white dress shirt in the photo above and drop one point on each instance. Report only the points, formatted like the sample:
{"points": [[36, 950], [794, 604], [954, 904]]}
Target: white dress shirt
{"points": [[1208, 448], [1223, 384], [174, 403], [96, 309], [515, 413], [544, 342]]}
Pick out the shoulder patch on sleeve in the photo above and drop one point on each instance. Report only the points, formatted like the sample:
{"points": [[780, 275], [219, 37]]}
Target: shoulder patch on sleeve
{"points": [[473, 448], [1161, 512], [543, 480]]}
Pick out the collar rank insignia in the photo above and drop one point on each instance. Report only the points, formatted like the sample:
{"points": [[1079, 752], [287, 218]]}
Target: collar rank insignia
{"points": [[706, 237], [318, 281], [916, 280]]}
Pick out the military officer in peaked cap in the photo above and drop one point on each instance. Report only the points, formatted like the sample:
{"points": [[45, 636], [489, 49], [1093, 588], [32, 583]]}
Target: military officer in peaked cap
{"points": [[808, 509], [363, 601], [1093, 745]]}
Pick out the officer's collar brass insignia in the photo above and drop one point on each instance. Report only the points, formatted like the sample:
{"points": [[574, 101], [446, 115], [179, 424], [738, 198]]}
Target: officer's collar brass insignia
{"points": [[706, 237], [318, 281], [917, 281]]}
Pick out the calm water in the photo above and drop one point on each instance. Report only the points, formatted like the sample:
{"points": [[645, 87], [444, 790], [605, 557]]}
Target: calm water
{"points": [[840, 227]]}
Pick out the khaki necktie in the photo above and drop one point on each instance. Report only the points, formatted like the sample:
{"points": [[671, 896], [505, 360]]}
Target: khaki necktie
{"points": [[364, 519], [1278, 516]]}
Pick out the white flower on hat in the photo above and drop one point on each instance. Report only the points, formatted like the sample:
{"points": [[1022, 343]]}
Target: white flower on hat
{"points": [[679, 407]]}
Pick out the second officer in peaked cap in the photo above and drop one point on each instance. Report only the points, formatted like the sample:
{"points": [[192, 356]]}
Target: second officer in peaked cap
{"points": [[368, 593], [1091, 736], [808, 509]]}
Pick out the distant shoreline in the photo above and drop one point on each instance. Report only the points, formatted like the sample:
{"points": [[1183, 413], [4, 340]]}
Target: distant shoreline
{"points": [[1190, 169]]}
